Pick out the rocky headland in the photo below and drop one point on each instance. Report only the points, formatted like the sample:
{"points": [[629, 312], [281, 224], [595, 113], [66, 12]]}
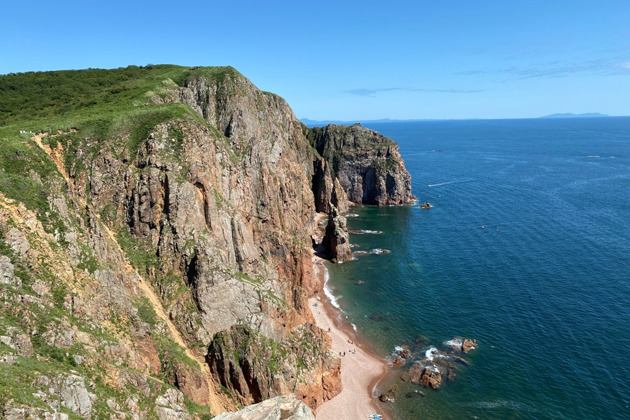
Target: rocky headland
{"points": [[156, 242]]}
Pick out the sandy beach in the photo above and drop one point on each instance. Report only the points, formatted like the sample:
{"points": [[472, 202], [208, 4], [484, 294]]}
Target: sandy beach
{"points": [[360, 370]]}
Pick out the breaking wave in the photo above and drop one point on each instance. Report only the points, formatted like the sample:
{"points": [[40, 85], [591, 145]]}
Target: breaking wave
{"points": [[328, 292]]}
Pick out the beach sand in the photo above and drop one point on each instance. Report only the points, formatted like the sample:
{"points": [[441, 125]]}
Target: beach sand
{"points": [[360, 370]]}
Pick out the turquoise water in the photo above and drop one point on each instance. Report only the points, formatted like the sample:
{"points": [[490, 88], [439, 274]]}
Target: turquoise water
{"points": [[544, 288]]}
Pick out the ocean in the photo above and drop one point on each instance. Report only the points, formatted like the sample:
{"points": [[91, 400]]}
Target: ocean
{"points": [[526, 249]]}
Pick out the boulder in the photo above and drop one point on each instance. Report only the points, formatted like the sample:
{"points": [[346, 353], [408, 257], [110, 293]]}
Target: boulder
{"points": [[279, 408], [75, 396], [7, 272], [431, 377], [170, 406], [468, 345]]}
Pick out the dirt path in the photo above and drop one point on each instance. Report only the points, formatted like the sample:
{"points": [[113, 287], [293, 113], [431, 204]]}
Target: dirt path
{"points": [[55, 155]]}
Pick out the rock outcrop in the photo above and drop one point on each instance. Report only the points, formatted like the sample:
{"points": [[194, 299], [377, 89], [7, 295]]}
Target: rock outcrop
{"points": [[253, 367], [278, 408], [336, 239]]}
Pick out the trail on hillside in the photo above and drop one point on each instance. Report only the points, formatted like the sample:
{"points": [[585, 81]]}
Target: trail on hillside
{"points": [[55, 155], [218, 401]]}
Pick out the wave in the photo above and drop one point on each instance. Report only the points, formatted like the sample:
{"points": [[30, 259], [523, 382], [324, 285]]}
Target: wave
{"points": [[599, 157], [352, 215], [431, 353], [365, 232], [455, 342], [514, 405], [328, 292], [459, 181], [375, 251]]}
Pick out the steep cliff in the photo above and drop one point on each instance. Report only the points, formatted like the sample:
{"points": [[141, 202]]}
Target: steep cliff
{"points": [[155, 232], [367, 164]]}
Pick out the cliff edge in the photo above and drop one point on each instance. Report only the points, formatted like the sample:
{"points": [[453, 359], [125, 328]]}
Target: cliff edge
{"points": [[155, 238]]}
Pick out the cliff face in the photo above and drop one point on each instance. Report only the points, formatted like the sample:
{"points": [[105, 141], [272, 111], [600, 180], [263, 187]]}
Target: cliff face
{"points": [[367, 164], [166, 248]]}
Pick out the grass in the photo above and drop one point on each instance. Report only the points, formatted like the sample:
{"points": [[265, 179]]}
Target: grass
{"points": [[170, 352], [146, 313]]}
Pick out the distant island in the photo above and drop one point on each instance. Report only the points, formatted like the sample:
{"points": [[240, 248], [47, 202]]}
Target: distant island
{"points": [[570, 115], [319, 123]]}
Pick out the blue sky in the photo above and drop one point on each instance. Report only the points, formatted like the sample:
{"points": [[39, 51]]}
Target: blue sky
{"points": [[358, 60]]}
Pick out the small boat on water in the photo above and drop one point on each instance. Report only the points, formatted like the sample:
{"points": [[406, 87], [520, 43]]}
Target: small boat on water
{"points": [[426, 205]]}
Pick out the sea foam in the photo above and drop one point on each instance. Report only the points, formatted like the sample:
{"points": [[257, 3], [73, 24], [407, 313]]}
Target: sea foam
{"points": [[328, 292]]}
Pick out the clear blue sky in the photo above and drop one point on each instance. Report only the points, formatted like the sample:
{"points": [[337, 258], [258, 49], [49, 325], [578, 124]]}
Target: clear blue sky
{"points": [[356, 60]]}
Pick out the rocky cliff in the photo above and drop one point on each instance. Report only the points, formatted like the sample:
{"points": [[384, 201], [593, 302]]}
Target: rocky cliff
{"points": [[367, 165], [155, 233]]}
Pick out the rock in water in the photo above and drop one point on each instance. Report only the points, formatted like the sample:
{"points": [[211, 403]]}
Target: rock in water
{"points": [[431, 377], [336, 241], [468, 345], [390, 395]]}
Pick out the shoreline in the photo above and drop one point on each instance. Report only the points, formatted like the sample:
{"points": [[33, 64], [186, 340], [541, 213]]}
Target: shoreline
{"points": [[361, 369]]}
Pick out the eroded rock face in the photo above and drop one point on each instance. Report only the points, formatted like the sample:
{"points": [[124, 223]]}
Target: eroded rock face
{"points": [[368, 165], [336, 240], [253, 367], [278, 408]]}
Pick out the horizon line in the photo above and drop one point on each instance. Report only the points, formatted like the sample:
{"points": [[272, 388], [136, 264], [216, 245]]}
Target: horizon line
{"points": [[558, 116]]}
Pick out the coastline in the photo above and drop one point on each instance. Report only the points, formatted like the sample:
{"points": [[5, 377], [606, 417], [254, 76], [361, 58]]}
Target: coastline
{"points": [[361, 370]]}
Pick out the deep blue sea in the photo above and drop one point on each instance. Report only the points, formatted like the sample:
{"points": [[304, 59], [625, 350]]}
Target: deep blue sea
{"points": [[544, 286]]}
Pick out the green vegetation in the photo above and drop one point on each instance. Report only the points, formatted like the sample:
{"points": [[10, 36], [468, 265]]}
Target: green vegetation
{"points": [[140, 252], [146, 313], [65, 95], [171, 352]]}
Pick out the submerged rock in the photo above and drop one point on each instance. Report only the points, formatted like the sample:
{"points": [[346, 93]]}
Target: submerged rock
{"points": [[389, 395]]}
